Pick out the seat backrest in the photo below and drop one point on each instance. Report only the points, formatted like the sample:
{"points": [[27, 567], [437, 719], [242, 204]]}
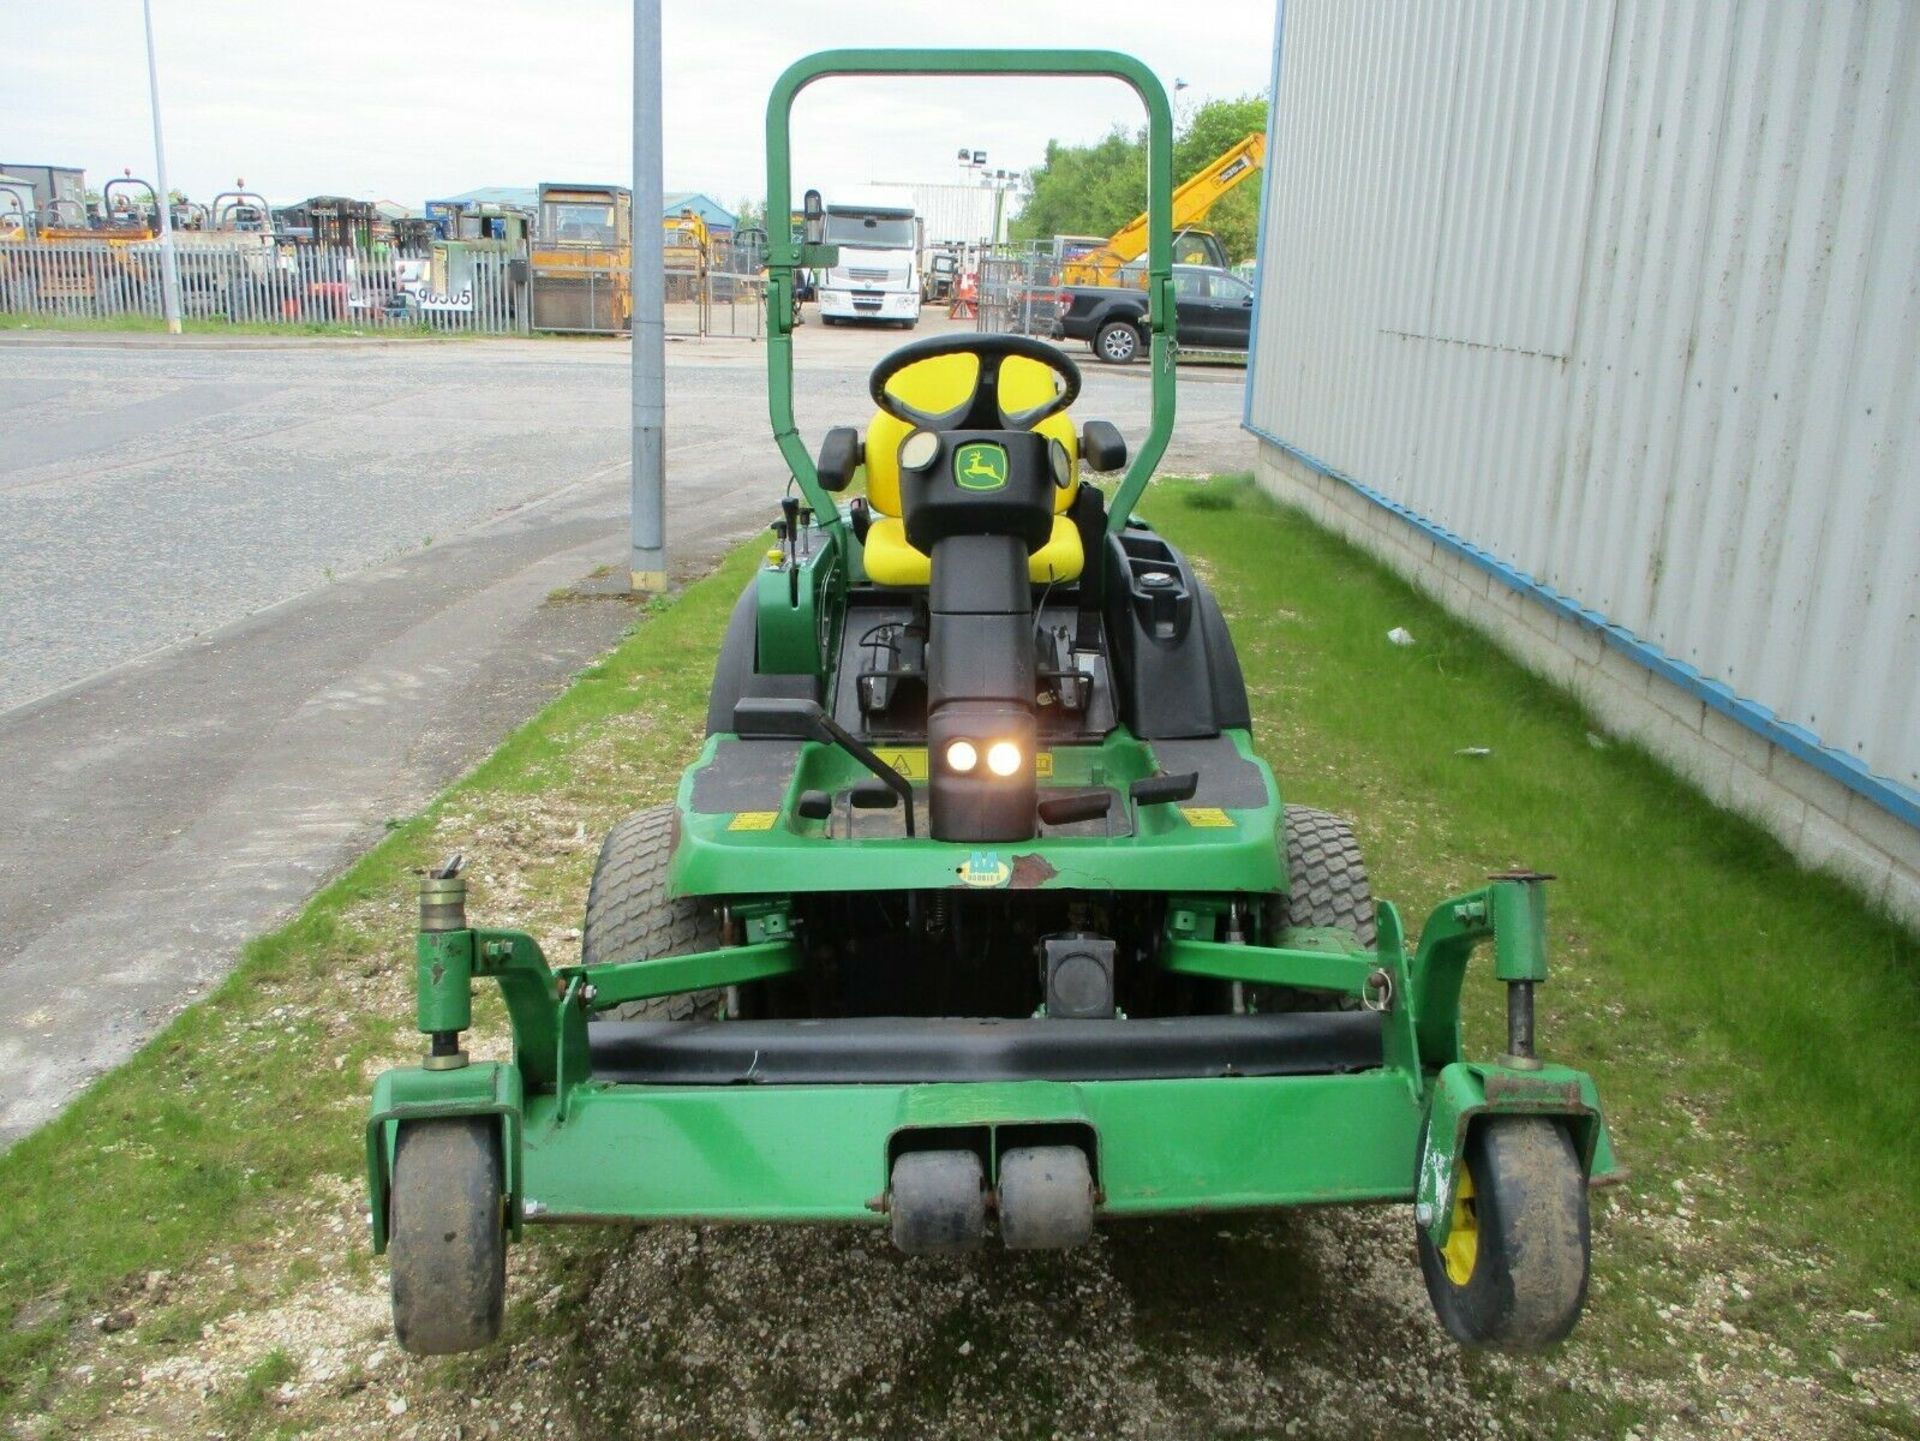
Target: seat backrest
{"points": [[942, 383]]}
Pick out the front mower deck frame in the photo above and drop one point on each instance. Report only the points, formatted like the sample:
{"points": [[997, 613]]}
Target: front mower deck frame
{"points": [[580, 1147]]}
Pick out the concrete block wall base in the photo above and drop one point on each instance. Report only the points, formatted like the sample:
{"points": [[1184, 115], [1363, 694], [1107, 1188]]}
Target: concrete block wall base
{"points": [[1826, 825]]}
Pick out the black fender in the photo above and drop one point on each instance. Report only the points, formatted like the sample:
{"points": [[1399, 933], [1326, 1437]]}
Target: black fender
{"points": [[735, 676]]}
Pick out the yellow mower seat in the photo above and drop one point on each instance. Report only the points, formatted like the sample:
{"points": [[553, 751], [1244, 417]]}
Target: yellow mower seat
{"points": [[892, 561], [936, 385]]}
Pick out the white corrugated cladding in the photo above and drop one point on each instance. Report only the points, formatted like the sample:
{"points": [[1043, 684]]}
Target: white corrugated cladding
{"points": [[955, 212], [1625, 293]]}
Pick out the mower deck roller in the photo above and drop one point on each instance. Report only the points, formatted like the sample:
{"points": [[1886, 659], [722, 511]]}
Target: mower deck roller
{"points": [[979, 913]]}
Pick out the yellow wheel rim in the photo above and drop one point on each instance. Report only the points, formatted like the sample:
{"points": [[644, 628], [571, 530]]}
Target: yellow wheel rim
{"points": [[1462, 1251]]}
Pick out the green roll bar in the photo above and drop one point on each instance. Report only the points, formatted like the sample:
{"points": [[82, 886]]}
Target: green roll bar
{"points": [[784, 255]]}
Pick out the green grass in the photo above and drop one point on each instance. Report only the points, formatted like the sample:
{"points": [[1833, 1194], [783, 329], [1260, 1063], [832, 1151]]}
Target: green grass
{"points": [[1752, 1026], [1698, 967], [238, 1409]]}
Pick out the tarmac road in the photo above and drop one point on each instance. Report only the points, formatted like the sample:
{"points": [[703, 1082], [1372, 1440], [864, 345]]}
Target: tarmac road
{"points": [[258, 597]]}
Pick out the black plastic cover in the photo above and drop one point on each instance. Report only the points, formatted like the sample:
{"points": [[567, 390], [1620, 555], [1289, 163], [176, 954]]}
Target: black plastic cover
{"points": [[840, 456], [734, 677], [909, 1050], [1102, 447], [935, 504], [1175, 671]]}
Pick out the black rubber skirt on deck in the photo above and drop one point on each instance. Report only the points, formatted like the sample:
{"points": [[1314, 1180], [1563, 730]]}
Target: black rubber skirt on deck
{"points": [[907, 1050]]}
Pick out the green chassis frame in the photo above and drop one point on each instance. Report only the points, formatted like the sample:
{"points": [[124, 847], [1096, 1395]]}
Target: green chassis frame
{"points": [[579, 1149]]}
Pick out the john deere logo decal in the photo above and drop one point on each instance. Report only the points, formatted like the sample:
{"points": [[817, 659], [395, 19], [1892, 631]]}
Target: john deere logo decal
{"points": [[980, 466]]}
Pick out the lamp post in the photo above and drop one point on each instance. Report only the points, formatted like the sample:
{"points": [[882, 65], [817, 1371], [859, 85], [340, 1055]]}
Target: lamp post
{"points": [[647, 523], [974, 162], [1000, 182], [169, 266]]}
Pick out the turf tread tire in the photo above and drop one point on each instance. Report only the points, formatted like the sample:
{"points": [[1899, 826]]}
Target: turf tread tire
{"points": [[1326, 876], [630, 916], [1326, 886]]}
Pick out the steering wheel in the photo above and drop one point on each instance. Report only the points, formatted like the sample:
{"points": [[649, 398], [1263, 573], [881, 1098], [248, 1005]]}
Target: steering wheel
{"points": [[981, 409]]}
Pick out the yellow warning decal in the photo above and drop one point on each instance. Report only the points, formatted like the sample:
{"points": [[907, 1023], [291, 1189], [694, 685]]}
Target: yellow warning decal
{"points": [[753, 821], [1206, 816], [911, 761]]}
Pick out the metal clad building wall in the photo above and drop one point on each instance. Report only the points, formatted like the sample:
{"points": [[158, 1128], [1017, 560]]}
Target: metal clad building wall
{"points": [[955, 212], [1625, 293]]}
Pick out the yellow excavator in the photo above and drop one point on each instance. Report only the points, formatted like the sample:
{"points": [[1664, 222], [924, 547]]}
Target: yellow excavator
{"points": [[686, 248], [1238, 162]]}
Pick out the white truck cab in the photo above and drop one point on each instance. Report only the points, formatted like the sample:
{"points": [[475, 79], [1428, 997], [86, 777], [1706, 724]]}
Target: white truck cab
{"points": [[878, 274]]}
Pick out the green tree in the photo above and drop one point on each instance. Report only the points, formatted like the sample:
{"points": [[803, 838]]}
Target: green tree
{"points": [[750, 213], [1084, 189], [1095, 189]]}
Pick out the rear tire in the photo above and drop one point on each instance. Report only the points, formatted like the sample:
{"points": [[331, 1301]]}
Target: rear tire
{"points": [[1117, 342], [1326, 886], [447, 1236], [630, 916], [1517, 1279]]}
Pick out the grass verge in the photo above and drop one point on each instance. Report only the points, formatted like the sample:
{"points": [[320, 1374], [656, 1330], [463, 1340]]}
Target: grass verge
{"points": [[1748, 1022]]}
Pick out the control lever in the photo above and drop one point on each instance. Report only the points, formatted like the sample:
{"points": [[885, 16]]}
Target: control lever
{"points": [[778, 717], [1160, 789], [790, 508], [1065, 810]]}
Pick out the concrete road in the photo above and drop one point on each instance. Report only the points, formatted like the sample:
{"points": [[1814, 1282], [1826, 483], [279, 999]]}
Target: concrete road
{"points": [[258, 599]]}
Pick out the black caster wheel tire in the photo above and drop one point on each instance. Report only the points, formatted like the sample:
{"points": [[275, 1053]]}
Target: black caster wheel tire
{"points": [[938, 1203], [1046, 1198], [447, 1236], [1513, 1274]]}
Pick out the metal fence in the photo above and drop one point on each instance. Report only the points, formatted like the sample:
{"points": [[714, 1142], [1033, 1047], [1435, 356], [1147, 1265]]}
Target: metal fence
{"points": [[251, 279], [255, 280], [1019, 292]]}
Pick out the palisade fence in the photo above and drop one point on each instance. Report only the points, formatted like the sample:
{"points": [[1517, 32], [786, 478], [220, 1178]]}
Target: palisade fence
{"points": [[256, 280]]}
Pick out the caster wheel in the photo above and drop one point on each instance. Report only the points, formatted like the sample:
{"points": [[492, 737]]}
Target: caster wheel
{"points": [[1513, 1274], [938, 1202], [1046, 1198], [447, 1236]]}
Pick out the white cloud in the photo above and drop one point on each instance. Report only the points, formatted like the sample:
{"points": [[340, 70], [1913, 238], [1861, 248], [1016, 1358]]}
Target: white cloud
{"points": [[407, 99]]}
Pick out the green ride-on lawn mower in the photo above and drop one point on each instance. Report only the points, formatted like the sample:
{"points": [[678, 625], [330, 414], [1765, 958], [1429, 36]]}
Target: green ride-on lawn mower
{"points": [[978, 911]]}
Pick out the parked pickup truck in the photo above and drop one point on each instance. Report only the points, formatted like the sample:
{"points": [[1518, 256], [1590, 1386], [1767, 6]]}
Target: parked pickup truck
{"points": [[1213, 310]]}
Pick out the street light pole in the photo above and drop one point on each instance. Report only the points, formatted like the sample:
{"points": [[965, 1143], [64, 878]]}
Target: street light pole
{"points": [[169, 266], [647, 557]]}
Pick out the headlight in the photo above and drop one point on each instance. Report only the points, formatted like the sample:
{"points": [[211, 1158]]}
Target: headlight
{"points": [[1003, 758], [962, 757], [917, 452]]}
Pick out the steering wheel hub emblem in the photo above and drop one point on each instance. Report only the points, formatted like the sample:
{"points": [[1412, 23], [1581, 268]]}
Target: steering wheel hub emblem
{"points": [[980, 465]]}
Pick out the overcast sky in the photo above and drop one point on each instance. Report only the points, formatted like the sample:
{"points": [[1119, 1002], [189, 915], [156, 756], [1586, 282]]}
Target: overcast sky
{"points": [[408, 99]]}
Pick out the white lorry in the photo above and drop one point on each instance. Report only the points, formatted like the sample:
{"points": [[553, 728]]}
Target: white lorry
{"points": [[878, 273]]}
